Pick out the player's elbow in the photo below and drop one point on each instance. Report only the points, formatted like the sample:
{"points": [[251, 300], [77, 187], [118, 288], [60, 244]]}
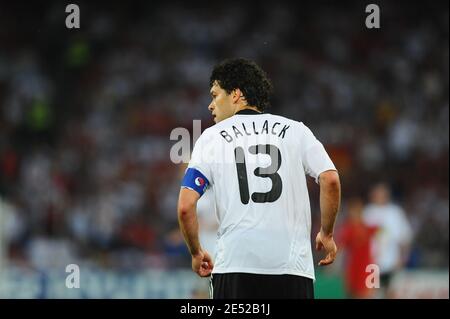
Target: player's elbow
{"points": [[330, 180], [187, 203], [185, 208]]}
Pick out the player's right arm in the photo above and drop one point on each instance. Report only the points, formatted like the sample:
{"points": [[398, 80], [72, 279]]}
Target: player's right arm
{"points": [[195, 182], [187, 217]]}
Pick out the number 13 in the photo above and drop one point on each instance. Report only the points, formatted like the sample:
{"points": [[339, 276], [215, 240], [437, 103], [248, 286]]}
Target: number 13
{"points": [[264, 172]]}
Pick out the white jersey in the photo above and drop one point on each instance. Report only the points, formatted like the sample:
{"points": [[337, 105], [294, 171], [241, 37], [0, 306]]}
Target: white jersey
{"points": [[256, 164], [395, 232]]}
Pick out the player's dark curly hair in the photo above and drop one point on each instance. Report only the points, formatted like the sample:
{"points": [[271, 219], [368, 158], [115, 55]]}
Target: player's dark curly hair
{"points": [[247, 76]]}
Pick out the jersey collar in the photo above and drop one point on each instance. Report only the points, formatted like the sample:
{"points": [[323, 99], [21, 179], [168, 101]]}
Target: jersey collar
{"points": [[247, 112]]}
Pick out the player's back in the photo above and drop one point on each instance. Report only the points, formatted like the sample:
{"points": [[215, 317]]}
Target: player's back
{"points": [[257, 164]]}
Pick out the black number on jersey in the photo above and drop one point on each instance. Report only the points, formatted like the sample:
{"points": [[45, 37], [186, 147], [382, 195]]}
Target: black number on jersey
{"points": [[264, 172]]}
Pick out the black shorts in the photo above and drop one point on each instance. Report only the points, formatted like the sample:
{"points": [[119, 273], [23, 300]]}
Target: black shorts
{"points": [[256, 286]]}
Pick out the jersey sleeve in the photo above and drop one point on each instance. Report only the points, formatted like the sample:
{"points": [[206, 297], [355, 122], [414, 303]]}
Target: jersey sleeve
{"points": [[198, 175], [315, 158]]}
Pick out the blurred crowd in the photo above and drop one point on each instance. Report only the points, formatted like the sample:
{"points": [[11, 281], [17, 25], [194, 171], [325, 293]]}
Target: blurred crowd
{"points": [[86, 115]]}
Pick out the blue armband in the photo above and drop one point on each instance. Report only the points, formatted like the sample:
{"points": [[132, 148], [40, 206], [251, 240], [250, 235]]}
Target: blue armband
{"points": [[195, 180]]}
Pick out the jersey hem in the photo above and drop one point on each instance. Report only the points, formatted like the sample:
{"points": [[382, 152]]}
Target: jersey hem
{"points": [[263, 272]]}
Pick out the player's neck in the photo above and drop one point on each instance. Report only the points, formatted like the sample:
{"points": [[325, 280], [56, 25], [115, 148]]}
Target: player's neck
{"points": [[247, 107]]}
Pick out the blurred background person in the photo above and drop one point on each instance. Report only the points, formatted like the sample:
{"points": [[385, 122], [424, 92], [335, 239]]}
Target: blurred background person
{"points": [[391, 245], [355, 239]]}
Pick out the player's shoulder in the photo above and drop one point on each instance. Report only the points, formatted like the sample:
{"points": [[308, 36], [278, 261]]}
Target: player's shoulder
{"points": [[284, 118], [211, 134], [396, 209], [280, 118], [214, 130], [206, 135], [296, 124]]}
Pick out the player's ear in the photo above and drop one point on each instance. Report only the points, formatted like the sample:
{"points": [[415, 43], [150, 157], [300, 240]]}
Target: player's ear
{"points": [[236, 95]]}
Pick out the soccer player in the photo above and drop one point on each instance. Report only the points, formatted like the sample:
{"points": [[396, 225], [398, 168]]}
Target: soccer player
{"points": [[391, 246], [355, 237], [255, 164]]}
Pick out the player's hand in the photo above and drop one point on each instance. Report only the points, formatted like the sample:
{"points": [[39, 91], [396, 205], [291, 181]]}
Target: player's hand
{"points": [[326, 242], [202, 264]]}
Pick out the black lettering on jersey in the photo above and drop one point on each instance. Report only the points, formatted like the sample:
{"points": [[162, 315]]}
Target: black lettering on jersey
{"points": [[245, 130], [254, 129], [265, 127], [268, 172], [283, 131], [236, 131], [226, 136], [242, 175], [275, 124]]}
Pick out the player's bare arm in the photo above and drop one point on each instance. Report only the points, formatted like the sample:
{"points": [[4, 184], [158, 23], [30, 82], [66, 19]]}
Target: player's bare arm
{"points": [[187, 217], [330, 196]]}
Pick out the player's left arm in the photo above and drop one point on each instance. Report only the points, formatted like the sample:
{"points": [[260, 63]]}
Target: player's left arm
{"points": [[318, 165], [330, 195]]}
